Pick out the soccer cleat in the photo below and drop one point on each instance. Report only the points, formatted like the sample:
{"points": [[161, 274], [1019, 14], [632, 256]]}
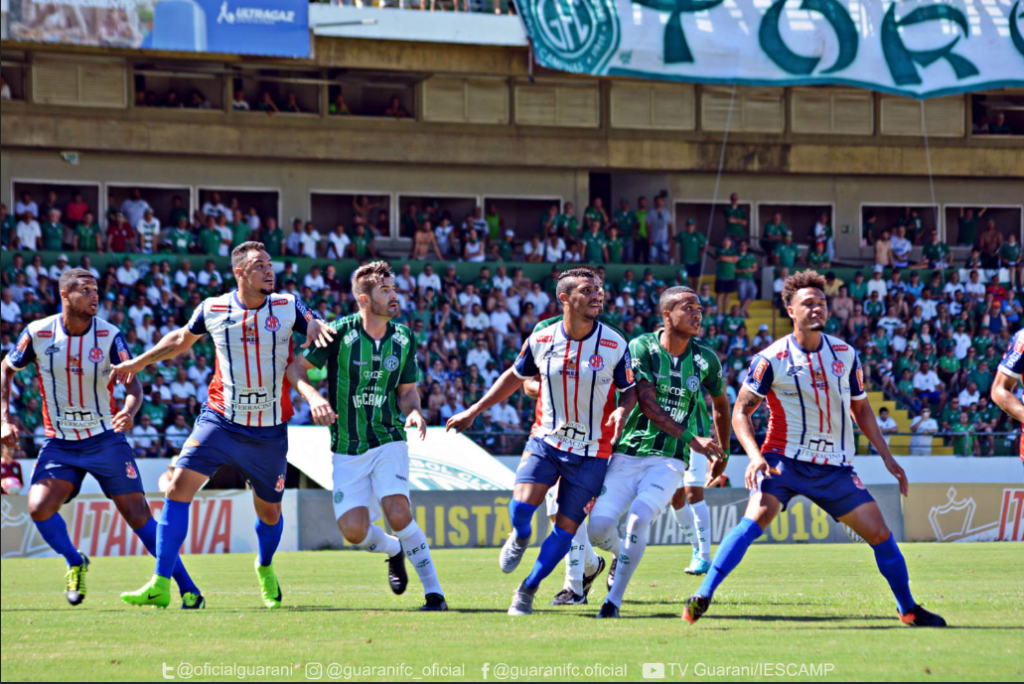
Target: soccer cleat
{"points": [[522, 602], [919, 617], [157, 594], [611, 572], [512, 553], [567, 597], [588, 580], [74, 589], [398, 578], [698, 566], [435, 604], [608, 610], [193, 602], [695, 608], [269, 587]]}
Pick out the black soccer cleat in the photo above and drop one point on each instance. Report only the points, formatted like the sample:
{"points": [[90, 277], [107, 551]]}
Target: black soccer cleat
{"points": [[919, 617], [435, 604], [398, 578], [588, 580], [567, 597], [611, 572], [695, 608], [608, 610]]}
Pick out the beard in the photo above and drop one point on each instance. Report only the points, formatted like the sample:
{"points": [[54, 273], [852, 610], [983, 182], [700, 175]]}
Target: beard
{"points": [[383, 310], [266, 292], [816, 327]]}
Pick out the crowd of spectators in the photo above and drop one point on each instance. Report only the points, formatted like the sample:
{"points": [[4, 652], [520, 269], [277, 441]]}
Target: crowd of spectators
{"points": [[926, 339]]}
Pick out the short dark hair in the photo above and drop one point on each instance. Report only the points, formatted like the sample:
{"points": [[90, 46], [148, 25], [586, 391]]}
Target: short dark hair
{"points": [[369, 276], [565, 284], [241, 253], [801, 281], [70, 279], [669, 296]]}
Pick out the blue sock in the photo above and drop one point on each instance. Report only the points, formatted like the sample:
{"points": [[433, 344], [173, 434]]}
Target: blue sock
{"points": [[552, 551], [55, 532], [170, 535], [729, 555], [522, 518], [147, 533], [894, 570], [269, 537]]}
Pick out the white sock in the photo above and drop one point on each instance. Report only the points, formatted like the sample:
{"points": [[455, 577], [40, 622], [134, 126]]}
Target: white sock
{"points": [[591, 560], [639, 524], [604, 534], [414, 542], [379, 541], [574, 561], [702, 522], [684, 516]]}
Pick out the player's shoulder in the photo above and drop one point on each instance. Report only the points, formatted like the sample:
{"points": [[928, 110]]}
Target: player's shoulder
{"points": [[105, 328], [615, 334], [1017, 342], [44, 327], [346, 323], [545, 324], [401, 333], [839, 346], [282, 299], [705, 356], [219, 304], [776, 351]]}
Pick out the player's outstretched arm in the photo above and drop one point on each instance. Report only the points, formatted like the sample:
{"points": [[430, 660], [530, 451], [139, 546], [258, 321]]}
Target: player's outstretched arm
{"points": [[10, 430], [746, 403], [319, 408], [1004, 396], [647, 398], [860, 410], [173, 344], [320, 334], [501, 390], [125, 419], [723, 431], [409, 402]]}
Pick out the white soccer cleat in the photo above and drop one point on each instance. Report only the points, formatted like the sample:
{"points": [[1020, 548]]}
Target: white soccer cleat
{"points": [[512, 553], [522, 603]]}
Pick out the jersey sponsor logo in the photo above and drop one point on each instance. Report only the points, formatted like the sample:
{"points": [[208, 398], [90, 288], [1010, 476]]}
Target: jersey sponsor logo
{"points": [[782, 355], [102, 333], [43, 334], [95, 354], [220, 308], [279, 302], [611, 344], [351, 337], [368, 399], [279, 487], [544, 339], [130, 471], [272, 324], [629, 375], [821, 443], [860, 377], [570, 369], [372, 375], [391, 364], [701, 363], [253, 401], [1019, 347], [400, 339], [838, 368], [53, 350], [75, 365], [693, 383], [596, 363], [840, 348], [759, 371], [78, 419], [23, 343], [309, 317], [794, 371]]}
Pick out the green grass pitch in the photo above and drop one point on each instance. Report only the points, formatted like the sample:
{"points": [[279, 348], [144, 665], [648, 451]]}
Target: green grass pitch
{"points": [[792, 605]]}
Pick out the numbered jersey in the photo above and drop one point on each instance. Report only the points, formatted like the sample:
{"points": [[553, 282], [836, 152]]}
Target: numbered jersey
{"points": [[677, 381], [809, 395], [253, 349], [578, 383], [74, 375], [1013, 365]]}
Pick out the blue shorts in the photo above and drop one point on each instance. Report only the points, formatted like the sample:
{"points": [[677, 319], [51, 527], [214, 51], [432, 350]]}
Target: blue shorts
{"points": [[694, 270], [107, 457], [581, 477], [836, 490], [259, 454]]}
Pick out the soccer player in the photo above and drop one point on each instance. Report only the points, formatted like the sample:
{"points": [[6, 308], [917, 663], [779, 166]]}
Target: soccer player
{"points": [[85, 433], [662, 435], [372, 373], [813, 383], [581, 363], [244, 423], [1004, 389]]}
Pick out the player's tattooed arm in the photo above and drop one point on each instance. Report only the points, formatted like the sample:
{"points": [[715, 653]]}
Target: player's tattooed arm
{"points": [[746, 403], [647, 396], [173, 344], [409, 402], [501, 390], [860, 411], [10, 430], [319, 408]]}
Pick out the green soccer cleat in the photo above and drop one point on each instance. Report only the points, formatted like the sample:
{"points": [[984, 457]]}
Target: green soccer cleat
{"points": [[269, 587], [74, 589], [193, 602], [157, 594]]}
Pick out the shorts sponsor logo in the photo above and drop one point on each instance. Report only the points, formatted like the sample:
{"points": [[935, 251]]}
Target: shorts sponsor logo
{"points": [[596, 363], [279, 487], [858, 483], [43, 334], [191, 443], [391, 364], [272, 324], [611, 344], [102, 333], [590, 506], [338, 497], [838, 368], [95, 354], [693, 383], [759, 371], [130, 471]]}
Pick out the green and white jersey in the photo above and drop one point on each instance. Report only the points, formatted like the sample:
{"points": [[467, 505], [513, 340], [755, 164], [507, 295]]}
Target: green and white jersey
{"points": [[149, 232], [364, 375], [678, 381]]}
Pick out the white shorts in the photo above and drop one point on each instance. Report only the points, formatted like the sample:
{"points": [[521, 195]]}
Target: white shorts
{"points": [[697, 474], [362, 481], [551, 501], [652, 479]]}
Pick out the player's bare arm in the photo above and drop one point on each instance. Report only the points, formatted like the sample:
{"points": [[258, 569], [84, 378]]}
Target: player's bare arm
{"points": [[10, 430], [319, 333], [647, 397], [501, 390], [746, 403], [173, 344], [1004, 395], [409, 402], [723, 431], [860, 410], [617, 421], [532, 388], [125, 419], [319, 408]]}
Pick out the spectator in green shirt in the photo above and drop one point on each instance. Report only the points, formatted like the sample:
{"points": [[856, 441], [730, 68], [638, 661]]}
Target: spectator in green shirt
{"points": [[272, 238], [495, 224], [88, 236], [968, 233], [692, 246], [8, 224], [786, 254], [362, 244], [725, 272], [859, 288], [209, 238], [963, 436], [240, 230], [746, 268], [641, 244], [625, 220], [53, 232], [594, 244], [985, 423], [774, 234], [567, 224], [178, 211], [1000, 127], [548, 220], [179, 238], [596, 212], [868, 229], [735, 218], [818, 259], [1009, 255], [936, 254], [615, 247]]}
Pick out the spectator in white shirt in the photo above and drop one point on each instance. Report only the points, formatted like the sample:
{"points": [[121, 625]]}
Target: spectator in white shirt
{"points": [[216, 208], [28, 233], [538, 297], [501, 320], [314, 281], [134, 208], [553, 248], [501, 281], [58, 269], [899, 340], [239, 104], [975, 289], [890, 322], [158, 289], [886, 425], [147, 332], [901, 247], [428, 279], [451, 408], [253, 219], [468, 297], [479, 356], [923, 427], [877, 284], [26, 205], [954, 285], [226, 236], [10, 312], [148, 232], [181, 389], [929, 307], [293, 243], [927, 385], [969, 396], [145, 438], [5, 90], [337, 243], [963, 341], [209, 275], [199, 374], [176, 434], [310, 242], [506, 416], [127, 276], [86, 263], [184, 275]]}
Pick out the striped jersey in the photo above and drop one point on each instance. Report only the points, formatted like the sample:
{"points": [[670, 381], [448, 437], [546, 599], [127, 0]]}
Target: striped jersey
{"points": [[578, 383], [253, 349], [74, 375], [678, 381], [364, 375], [1013, 365], [809, 395]]}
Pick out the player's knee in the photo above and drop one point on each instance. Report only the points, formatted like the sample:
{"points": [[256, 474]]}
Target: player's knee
{"points": [[269, 514], [679, 499], [878, 535], [397, 511], [694, 495], [354, 532], [602, 531], [41, 509]]}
